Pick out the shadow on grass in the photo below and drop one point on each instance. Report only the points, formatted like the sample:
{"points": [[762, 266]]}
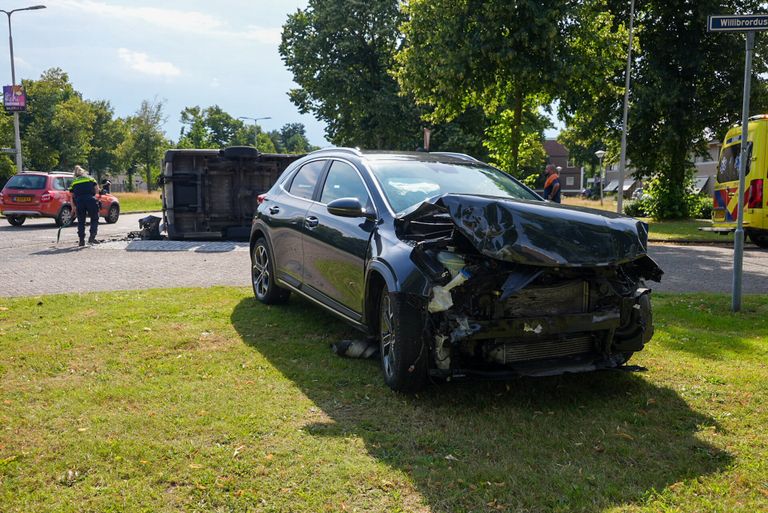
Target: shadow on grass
{"points": [[572, 443]]}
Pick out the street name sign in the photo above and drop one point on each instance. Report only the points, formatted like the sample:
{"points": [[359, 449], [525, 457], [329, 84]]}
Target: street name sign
{"points": [[736, 23]]}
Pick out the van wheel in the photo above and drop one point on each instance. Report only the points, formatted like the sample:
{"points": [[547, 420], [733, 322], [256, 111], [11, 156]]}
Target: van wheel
{"points": [[759, 239], [64, 217], [16, 220]]}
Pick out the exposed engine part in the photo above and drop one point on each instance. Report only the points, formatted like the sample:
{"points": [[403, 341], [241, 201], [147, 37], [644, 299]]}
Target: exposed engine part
{"points": [[451, 261], [441, 295], [442, 353], [506, 352]]}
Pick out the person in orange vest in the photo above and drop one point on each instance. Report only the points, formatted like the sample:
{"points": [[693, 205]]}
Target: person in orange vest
{"points": [[552, 184]]}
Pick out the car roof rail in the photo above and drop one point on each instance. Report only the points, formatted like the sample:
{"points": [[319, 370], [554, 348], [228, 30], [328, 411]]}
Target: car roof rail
{"points": [[354, 151], [462, 156]]}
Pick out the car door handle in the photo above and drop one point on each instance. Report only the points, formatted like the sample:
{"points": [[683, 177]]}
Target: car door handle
{"points": [[274, 210], [311, 221]]}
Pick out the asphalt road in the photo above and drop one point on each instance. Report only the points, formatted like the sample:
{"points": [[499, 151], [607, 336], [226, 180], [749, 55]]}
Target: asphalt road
{"points": [[32, 264]]}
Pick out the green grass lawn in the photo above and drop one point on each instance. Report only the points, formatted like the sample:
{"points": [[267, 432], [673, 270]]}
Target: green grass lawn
{"points": [[204, 400], [662, 231], [139, 201], [684, 230]]}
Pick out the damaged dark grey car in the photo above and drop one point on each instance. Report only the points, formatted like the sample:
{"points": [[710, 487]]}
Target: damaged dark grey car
{"points": [[454, 267]]}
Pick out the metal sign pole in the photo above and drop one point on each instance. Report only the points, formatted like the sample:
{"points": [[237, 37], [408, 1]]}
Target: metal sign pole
{"points": [[623, 159], [738, 242]]}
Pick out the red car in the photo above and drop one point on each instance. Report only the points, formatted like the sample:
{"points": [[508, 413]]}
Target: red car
{"points": [[36, 194]]}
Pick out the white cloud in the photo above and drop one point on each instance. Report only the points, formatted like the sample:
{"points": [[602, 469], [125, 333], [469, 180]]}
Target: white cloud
{"points": [[141, 62], [215, 83], [166, 18], [188, 22], [20, 63], [267, 35]]}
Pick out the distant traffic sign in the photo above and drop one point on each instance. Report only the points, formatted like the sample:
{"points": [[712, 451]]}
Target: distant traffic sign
{"points": [[737, 23]]}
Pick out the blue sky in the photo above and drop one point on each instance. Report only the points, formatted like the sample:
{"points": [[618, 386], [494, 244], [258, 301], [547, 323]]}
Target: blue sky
{"points": [[187, 52]]}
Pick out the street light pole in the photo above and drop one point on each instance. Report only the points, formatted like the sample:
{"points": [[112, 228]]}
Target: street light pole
{"points": [[16, 130], [600, 154], [623, 160], [255, 129]]}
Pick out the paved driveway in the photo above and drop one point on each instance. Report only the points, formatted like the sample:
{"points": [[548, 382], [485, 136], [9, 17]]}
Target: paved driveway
{"points": [[32, 264]]}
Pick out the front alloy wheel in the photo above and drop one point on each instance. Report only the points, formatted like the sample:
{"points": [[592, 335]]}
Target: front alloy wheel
{"points": [[403, 351], [262, 276], [387, 337]]}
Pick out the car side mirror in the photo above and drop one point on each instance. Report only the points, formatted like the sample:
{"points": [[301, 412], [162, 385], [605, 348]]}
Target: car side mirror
{"points": [[347, 207]]}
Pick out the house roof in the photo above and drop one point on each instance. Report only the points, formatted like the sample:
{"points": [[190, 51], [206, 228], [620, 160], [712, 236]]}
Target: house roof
{"points": [[555, 149]]}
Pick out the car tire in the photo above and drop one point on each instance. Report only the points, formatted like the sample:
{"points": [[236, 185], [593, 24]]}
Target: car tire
{"points": [[113, 214], [16, 220], [64, 217], [240, 152], [403, 351], [759, 239], [265, 288]]}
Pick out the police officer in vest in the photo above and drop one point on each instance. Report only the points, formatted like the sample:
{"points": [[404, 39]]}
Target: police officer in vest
{"points": [[84, 189]]}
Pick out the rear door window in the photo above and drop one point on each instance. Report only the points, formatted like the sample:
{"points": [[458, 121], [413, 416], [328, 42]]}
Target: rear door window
{"points": [[730, 160], [58, 184], [305, 180]]}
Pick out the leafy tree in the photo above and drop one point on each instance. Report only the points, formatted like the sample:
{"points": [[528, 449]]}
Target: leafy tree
{"points": [[686, 88], [212, 127], [687, 83], [126, 152], [340, 53], [58, 125], [148, 137], [7, 140], [194, 133], [106, 136], [508, 58], [291, 138]]}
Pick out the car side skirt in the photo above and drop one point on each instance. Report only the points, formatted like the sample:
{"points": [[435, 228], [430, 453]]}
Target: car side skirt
{"points": [[337, 310]]}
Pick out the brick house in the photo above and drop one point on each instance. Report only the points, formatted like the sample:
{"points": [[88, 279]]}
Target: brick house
{"points": [[571, 176]]}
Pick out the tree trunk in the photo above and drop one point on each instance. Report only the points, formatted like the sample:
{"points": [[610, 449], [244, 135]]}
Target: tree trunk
{"points": [[517, 123]]}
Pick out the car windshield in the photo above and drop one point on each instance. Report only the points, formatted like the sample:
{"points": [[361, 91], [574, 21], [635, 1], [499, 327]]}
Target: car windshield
{"points": [[407, 183], [26, 182]]}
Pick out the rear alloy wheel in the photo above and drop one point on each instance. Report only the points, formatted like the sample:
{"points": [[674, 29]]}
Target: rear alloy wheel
{"points": [[263, 276], [403, 352], [113, 214], [16, 220], [64, 217]]}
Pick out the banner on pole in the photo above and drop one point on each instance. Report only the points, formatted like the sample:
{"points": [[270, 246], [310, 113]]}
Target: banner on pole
{"points": [[14, 98]]}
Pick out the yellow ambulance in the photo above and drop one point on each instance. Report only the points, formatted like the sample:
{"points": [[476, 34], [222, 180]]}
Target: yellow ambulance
{"points": [[726, 201]]}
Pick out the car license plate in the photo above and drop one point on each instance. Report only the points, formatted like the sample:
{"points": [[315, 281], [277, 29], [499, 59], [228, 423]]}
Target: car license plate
{"points": [[719, 215], [23, 199]]}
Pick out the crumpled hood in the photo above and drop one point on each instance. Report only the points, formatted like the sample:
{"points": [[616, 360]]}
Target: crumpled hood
{"points": [[537, 233]]}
